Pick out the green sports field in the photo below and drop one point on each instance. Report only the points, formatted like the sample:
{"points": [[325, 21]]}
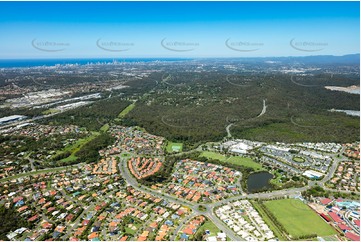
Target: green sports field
{"points": [[174, 147], [298, 219], [237, 160], [298, 159]]}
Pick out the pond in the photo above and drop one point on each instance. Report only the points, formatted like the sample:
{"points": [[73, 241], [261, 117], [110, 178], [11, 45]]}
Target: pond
{"points": [[258, 181]]}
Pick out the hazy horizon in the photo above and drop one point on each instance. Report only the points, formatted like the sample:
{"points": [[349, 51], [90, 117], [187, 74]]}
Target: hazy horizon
{"points": [[173, 57]]}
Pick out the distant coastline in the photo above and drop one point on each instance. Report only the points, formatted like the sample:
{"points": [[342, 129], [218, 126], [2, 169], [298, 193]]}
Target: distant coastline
{"points": [[18, 63], [313, 59]]}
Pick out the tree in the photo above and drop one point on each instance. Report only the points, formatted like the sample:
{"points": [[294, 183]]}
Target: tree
{"points": [[10, 220]]}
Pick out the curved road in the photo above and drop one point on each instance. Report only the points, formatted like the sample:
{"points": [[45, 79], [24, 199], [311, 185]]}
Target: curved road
{"points": [[264, 109], [229, 135]]}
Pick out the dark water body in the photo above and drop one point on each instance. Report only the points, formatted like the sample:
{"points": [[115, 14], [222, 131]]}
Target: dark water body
{"points": [[258, 181], [52, 62]]}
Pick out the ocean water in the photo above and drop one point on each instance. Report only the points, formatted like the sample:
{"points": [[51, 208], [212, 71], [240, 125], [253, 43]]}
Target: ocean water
{"points": [[52, 62]]}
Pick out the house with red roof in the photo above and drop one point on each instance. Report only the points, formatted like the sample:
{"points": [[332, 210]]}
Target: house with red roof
{"points": [[33, 218], [23, 208], [85, 222], [189, 230], [69, 217], [51, 209], [93, 235], [352, 236], [42, 200], [46, 225], [53, 193], [17, 199], [344, 227], [153, 225], [335, 217], [325, 201], [357, 222], [124, 238], [206, 194]]}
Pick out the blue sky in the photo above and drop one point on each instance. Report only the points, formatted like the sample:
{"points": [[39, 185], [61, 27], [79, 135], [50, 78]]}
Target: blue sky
{"points": [[177, 29]]}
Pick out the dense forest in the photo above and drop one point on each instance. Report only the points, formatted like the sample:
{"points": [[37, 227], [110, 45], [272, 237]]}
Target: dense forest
{"points": [[317, 191], [93, 116], [193, 108], [89, 152], [196, 107]]}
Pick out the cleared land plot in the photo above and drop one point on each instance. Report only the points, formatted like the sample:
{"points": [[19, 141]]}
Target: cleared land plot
{"points": [[298, 219], [172, 147], [105, 128], [76, 147], [126, 110], [276, 180], [213, 229], [50, 111], [132, 231], [298, 159], [237, 160]]}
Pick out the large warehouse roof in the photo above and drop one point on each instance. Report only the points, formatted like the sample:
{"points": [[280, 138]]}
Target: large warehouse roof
{"points": [[10, 118]]}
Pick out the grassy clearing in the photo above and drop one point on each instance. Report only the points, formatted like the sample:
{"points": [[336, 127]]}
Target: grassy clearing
{"points": [[72, 157], [126, 110], [131, 231], [237, 160], [105, 128], [76, 147], [209, 225], [213, 155], [298, 159], [50, 111], [276, 179], [277, 232], [245, 161], [79, 143], [298, 219], [171, 147]]}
